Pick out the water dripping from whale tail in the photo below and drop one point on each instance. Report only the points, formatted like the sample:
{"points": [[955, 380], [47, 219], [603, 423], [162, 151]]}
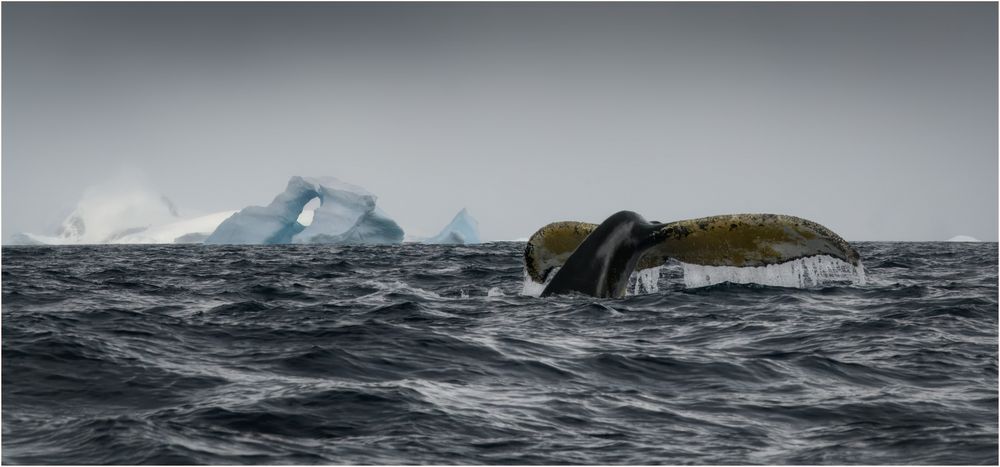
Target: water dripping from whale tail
{"points": [[800, 273], [645, 281]]}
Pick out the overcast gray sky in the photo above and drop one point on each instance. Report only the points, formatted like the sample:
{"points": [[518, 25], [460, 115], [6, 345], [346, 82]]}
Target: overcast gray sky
{"points": [[876, 120]]}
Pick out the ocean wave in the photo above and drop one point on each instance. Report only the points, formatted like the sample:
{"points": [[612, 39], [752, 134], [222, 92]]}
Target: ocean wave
{"points": [[432, 354]]}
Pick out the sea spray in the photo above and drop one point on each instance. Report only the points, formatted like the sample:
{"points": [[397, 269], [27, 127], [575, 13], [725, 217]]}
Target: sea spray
{"points": [[534, 289], [640, 282]]}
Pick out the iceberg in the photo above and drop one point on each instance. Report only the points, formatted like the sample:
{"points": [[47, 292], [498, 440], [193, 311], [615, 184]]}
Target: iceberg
{"points": [[462, 230], [107, 213], [24, 238], [963, 238], [124, 211], [346, 215], [193, 230]]}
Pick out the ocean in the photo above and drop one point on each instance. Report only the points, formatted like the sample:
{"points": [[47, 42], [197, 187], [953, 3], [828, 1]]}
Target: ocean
{"points": [[416, 354]]}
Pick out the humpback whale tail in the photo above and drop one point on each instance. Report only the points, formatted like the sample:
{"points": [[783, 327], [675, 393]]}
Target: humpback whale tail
{"points": [[598, 259]]}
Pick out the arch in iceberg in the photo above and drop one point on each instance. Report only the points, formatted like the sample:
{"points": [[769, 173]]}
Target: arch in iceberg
{"points": [[347, 214]]}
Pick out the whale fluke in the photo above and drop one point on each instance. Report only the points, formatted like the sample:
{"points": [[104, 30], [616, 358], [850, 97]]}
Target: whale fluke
{"points": [[626, 240]]}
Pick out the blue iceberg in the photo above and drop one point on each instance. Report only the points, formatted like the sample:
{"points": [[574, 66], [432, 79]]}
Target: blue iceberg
{"points": [[347, 215], [462, 230]]}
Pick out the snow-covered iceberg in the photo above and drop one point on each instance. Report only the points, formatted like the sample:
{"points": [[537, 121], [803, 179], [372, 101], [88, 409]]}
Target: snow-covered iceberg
{"points": [[24, 238], [462, 230], [193, 230], [107, 213], [347, 214]]}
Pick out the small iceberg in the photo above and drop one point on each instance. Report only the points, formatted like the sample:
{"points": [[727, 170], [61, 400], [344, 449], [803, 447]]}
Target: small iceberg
{"points": [[963, 238], [462, 230]]}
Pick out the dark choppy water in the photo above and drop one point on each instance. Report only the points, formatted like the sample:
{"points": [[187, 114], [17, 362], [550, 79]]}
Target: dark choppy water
{"points": [[395, 354]]}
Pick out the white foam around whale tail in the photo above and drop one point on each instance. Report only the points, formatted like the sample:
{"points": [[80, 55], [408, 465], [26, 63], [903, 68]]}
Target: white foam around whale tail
{"points": [[640, 282], [800, 273], [535, 289]]}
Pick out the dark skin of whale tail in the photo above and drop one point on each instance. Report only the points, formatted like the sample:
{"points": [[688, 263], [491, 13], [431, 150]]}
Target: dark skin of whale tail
{"points": [[597, 260], [602, 263]]}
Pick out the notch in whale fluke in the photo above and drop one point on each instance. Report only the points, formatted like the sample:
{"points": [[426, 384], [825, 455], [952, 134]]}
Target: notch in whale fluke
{"points": [[738, 240]]}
